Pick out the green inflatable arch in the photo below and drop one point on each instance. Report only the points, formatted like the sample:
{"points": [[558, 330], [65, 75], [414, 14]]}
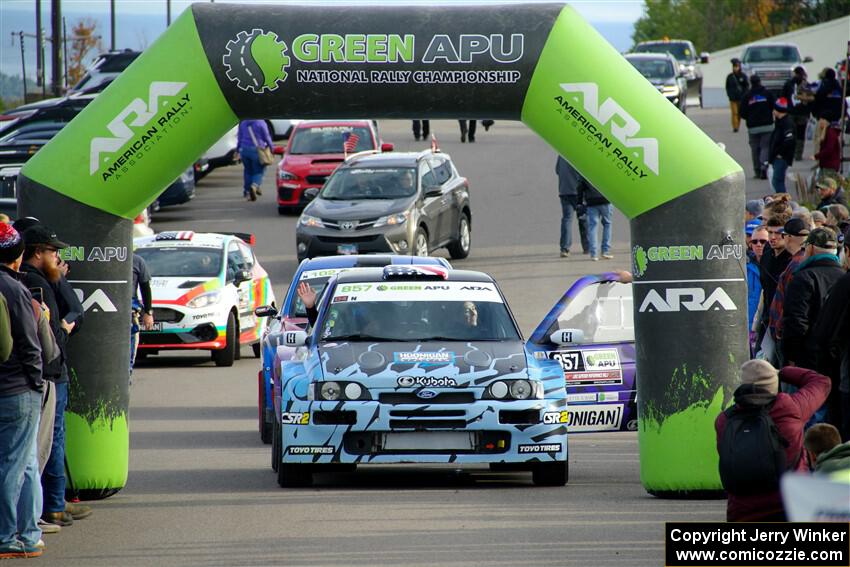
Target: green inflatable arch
{"points": [[539, 63]]}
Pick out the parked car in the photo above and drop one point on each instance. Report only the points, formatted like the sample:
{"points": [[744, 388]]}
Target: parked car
{"points": [[403, 203], [56, 111], [665, 74], [314, 150], [205, 289], [773, 62], [182, 190], [417, 364], [105, 67], [685, 53], [292, 316]]}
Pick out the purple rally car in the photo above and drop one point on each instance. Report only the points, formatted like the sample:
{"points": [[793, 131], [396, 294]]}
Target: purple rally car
{"points": [[595, 318]]}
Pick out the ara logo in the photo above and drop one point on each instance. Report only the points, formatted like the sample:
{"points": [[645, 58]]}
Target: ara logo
{"points": [[687, 299], [142, 112], [98, 301], [624, 127]]}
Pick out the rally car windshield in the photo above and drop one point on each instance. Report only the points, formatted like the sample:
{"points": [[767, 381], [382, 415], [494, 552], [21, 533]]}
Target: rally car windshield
{"points": [[329, 140], [370, 183], [449, 311], [182, 262]]}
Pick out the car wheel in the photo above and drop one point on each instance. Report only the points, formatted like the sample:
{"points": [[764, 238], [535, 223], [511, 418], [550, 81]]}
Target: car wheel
{"points": [[551, 474], [294, 475], [420, 243], [284, 210], [227, 355], [275, 445], [265, 427], [459, 249], [258, 349]]}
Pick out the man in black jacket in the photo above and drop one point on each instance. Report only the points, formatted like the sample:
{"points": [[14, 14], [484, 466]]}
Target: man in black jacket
{"points": [[806, 295], [782, 144], [830, 193], [736, 85], [20, 406], [793, 89], [756, 110], [41, 269]]}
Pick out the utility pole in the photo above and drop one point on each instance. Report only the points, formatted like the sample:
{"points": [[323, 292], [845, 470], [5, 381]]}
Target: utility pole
{"points": [[23, 65], [39, 46], [167, 13], [111, 25], [55, 47], [65, 50]]}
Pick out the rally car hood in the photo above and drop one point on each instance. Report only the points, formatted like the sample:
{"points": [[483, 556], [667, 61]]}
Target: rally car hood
{"points": [[471, 364], [357, 210], [174, 288], [306, 164]]}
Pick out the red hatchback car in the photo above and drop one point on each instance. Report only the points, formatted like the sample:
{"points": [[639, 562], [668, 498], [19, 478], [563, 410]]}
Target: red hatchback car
{"points": [[314, 150]]}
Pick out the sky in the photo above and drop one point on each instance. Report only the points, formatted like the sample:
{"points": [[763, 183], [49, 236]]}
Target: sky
{"points": [[139, 22]]}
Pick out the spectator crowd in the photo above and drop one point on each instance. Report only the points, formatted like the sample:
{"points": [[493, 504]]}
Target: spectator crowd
{"points": [[39, 314], [791, 411]]}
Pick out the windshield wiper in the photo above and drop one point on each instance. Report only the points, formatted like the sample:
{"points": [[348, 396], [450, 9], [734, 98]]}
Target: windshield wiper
{"points": [[357, 337]]}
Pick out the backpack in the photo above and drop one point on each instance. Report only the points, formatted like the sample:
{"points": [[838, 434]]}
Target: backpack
{"points": [[751, 450]]}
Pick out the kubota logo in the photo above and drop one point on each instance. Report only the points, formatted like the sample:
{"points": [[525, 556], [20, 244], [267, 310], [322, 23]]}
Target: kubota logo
{"points": [[121, 129], [623, 129]]}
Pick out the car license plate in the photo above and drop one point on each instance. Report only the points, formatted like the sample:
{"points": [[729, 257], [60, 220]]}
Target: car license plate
{"points": [[346, 249], [429, 441]]}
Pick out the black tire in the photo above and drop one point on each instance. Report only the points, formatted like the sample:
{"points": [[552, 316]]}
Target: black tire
{"points": [[258, 349], [283, 211], [551, 474], [265, 427], [420, 243], [227, 355], [459, 249], [294, 475], [275, 445]]}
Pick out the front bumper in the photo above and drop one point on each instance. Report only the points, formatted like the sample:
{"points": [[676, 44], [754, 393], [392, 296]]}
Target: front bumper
{"points": [[371, 432], [291, 193], [184, 328], [312, 242]]}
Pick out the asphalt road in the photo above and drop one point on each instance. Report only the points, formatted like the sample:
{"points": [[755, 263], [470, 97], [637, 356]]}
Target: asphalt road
{"points": [[201, 491]]}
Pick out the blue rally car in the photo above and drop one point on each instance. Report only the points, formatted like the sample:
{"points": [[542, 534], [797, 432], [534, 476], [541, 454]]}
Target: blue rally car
{"points": [[293, 317], [417, 364]]}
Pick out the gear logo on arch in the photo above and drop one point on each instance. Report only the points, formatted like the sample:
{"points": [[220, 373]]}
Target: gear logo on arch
{"points": [[256, 61]]}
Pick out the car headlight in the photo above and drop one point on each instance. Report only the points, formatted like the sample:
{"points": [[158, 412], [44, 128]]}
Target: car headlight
{"points": [[307, 220], [284, 175], [205, 299], [330, 391], [398, 218], [670, 89], [509, 390]]}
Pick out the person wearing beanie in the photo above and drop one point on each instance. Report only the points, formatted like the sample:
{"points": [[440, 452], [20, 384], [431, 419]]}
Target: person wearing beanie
{"points": [[782, 144], [755, 109], [736, 85], [789, 412], [20, 404], [830, 193], [754, 209]]}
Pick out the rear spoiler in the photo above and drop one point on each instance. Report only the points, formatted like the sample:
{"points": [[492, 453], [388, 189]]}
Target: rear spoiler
{"points": [[249, 238]]}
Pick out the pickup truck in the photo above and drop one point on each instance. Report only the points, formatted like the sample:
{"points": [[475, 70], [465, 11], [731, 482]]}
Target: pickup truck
{"points": [[773, 62]]}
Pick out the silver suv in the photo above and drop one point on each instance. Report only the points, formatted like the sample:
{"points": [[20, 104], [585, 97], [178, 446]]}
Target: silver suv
{"points": [[685, 53], [773, 62]]}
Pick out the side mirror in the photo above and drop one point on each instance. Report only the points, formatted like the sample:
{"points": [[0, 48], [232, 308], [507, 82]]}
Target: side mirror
{"points": [[385, 147], [807, 59], [265, 311], [567, 336], [703, 58], [294, 338], [243, 276], [278, 150], [433, 191], [311, 193]]}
